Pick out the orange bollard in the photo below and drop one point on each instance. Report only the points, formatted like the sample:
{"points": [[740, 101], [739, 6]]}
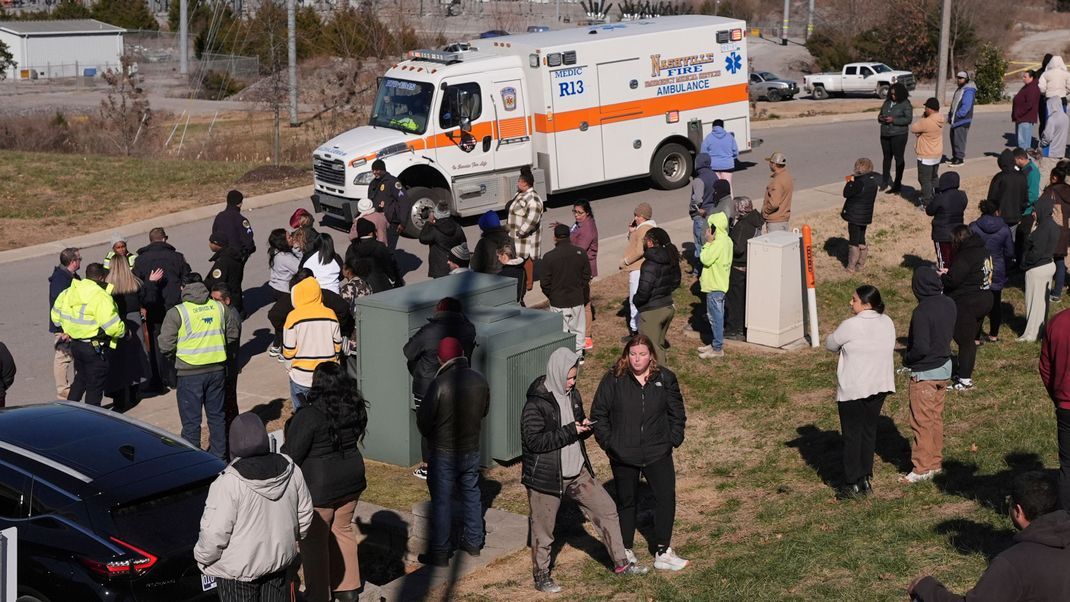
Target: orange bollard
{"points": [[811, 284]]}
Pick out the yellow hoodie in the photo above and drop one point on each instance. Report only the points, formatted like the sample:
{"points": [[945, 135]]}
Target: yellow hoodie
{"points": [[716, 257], [311, 335]]}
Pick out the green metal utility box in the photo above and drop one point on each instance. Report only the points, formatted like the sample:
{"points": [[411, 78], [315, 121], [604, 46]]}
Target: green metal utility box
{"points": [[387, 320]]}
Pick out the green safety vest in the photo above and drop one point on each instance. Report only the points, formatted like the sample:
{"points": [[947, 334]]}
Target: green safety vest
{"points": [[201, 337]]}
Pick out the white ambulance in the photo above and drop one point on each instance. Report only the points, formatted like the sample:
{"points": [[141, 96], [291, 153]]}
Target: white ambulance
{"points": [[580, 107]]}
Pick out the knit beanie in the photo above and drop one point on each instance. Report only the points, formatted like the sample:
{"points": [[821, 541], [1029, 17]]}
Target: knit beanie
{"points": [[234, 198], [489, 220], [449, 348]]}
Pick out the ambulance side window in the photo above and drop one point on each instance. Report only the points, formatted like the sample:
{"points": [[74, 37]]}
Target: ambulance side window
{"points": [[459, 102]]}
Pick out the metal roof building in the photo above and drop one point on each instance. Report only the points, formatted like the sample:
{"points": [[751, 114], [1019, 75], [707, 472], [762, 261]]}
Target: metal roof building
{"points": [[70, 48]]}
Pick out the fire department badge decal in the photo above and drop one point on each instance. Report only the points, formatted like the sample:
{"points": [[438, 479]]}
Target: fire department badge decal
{"points": [[509, 98]]}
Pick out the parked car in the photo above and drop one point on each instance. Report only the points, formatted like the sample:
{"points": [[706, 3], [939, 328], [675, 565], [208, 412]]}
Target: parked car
{"points": [[107, 507], [771, 87], [493, 33], [858, 78], [538, 28]]}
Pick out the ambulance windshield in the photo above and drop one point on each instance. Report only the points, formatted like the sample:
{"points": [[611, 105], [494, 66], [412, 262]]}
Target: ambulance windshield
{"points": [[402, 105]]}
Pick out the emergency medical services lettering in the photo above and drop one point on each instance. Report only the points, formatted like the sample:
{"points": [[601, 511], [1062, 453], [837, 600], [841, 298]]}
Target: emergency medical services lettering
{"points": [[681, 74]]}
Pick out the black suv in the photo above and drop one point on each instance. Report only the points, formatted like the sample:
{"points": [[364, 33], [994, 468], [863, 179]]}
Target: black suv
{"points": [[107, 508]]}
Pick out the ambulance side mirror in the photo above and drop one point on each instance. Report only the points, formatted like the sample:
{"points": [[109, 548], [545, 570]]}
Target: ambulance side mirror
{"points": [[466, 125]]}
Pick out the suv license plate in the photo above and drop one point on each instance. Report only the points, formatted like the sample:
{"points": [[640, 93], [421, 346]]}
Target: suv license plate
{"points": [[207, 583]]}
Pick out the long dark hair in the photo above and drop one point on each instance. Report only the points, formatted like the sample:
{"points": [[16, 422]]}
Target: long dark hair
{"points": [[278, 242], [323, 246], [959, 234], [622, 367], [586, 206], [335, 394], [900, 91], [660, 238], [869, 295]]}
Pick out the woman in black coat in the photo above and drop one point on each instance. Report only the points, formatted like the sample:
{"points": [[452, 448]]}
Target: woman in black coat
{"points": [[968, 282], [638, 416], [948, 210], [383, 273], [658, 278], [323, 438], [129, 367], [859, 196]]}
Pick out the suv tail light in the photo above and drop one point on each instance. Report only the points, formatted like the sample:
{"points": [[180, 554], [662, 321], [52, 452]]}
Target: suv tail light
{"points": [[137, 563]]}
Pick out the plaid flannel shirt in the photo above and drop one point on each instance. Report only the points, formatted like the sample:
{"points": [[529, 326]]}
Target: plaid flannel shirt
{"points": [[525, 219]]}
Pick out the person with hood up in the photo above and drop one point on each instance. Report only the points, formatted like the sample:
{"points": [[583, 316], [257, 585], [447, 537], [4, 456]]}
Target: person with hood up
{"points": [[702, 201], [716, 258], [441, 233], [1039, 267], [70, 260], [968, 281], [658, 279], [158, 254], [566, 282], [895, 117], [257, 511], [553, 427], [1054, 82], [928, 356], [948, 210], [1025, 109], [929, 147], [310, 337], [493, 236], [997, 237], [748, 224], [366, 210], [119, 249], [227, 267], [1009, 189], [1059, 193], [513, 267], [384, 274], [721, 146], [961, 115], [1053, 138], [1034, 568], [196, 333], [859, 196], [584, 234]]}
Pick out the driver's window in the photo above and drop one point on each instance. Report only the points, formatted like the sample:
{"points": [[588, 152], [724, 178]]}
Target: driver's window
{"points": [[459, 102], [754, 78], [851, 71], [866, 72]]}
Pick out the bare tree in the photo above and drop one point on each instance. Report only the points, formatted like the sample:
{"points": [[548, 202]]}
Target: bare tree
{"points": [[125, 112]]}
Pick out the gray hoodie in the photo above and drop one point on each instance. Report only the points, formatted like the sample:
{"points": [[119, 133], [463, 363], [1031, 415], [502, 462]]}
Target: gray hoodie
{"points": [[194, 292], [1054, 135], [557, 368], [256, 512]]}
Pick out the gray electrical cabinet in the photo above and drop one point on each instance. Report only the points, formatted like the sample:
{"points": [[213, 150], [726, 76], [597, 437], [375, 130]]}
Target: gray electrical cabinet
{"points": [[513, 345]]}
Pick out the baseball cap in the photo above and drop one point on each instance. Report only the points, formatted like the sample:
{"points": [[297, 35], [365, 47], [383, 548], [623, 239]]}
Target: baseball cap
{"points": [[644, 211], [379, 164], [219, 238], [962, 75], [560, 231], [777, 158]]}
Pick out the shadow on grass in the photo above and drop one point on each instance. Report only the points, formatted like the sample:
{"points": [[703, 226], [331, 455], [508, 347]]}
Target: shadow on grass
{"points": [[990, 490], [836, 247], [970, 537], [823, 450]]}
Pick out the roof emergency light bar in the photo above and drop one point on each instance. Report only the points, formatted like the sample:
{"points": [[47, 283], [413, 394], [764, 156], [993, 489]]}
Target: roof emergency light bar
{"points": [[435, 56]]}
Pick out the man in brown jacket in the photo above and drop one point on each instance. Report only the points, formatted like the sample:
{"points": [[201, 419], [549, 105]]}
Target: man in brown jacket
{"points": [[776, 208], [633, 257], [929, 148]]}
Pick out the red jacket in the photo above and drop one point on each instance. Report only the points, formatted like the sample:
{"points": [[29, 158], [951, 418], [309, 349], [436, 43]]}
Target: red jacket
{"points": [[1025, 108], [1055, 359]]}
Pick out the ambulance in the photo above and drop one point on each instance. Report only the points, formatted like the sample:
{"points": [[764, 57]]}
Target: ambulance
{"points": [[579, 107]]}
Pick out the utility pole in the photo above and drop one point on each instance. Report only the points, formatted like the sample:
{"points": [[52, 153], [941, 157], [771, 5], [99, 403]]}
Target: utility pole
{"points": [[945, 39], [291, 43], [784, 25], [810, 21], [183, 37]]}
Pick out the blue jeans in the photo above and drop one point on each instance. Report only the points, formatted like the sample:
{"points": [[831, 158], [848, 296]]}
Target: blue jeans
{"points": [[203, 390], [446, 471], [699, 228], [295, 391], [1060, 276], [1025, 135], [715, 314]]}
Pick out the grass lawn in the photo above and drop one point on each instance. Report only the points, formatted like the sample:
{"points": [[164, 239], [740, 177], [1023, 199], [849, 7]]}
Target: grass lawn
{"points": [[756, 511], [47, 196]]}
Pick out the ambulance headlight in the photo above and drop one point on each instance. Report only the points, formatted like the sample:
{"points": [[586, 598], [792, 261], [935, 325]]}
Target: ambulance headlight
{"points": [[363, 179]]}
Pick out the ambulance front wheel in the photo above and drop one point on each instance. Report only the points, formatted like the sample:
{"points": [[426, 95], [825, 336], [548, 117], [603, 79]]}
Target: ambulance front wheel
{"points": [[671, 167], [422, 203]]}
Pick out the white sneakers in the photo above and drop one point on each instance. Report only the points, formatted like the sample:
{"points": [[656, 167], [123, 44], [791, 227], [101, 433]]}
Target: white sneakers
{"points": [[913, 477], [631, 556], [669, 561]]}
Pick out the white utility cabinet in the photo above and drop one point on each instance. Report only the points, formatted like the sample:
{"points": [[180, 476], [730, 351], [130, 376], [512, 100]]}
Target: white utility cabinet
{"points": [[774, 289]]}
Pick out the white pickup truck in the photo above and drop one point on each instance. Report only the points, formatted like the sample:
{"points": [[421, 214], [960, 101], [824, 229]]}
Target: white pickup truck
{"points": [[857, 78]]}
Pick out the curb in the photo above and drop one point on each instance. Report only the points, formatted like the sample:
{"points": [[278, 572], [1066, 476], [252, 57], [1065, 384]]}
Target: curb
{"points": [[768, 124]]}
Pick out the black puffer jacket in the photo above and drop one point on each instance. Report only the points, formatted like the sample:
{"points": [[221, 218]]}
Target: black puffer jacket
{"points": [[859, 196], [422, 349], [658, 278], [440, 237], [485, 255], [745, 228], [1009, 189], [1040, 244], [384, 274], [637, 425], [947, 207], [162, 255], [543, 437], [970, 271], [331, 473], [452, 412]]}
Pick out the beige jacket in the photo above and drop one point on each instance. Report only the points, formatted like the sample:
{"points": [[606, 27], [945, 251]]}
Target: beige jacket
{"points": [[930, 143], [777, 204], [633, 253]]}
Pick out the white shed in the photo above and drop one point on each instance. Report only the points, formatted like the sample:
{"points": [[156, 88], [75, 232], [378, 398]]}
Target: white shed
{"points": [[68, 48]]}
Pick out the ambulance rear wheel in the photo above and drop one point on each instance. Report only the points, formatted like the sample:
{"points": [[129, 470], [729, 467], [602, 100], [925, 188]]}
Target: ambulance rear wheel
{"points": [[671, 167], [422, 202]]}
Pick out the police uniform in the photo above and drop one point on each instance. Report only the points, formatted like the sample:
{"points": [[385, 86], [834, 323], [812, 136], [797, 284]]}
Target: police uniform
{"points": [[238, 230], [87, 313], [228, 268], [388, 194]]}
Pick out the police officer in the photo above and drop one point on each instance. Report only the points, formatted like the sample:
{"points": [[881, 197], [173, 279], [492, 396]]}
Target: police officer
{"points": [[235, 226], [87, 313], [388, 196], [227, 267], [196, 332]]}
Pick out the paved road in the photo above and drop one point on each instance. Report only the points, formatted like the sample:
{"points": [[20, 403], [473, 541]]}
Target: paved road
{"points": [[817, 155]]}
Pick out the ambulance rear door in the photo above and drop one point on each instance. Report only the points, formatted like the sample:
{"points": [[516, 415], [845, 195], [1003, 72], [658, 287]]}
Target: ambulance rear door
{"points": [[575, 124]]}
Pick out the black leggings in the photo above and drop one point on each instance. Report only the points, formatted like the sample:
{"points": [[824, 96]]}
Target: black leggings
{"points": [[972, 310], [995, 315], [661, 476], [856, 235], [893, 147]]}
